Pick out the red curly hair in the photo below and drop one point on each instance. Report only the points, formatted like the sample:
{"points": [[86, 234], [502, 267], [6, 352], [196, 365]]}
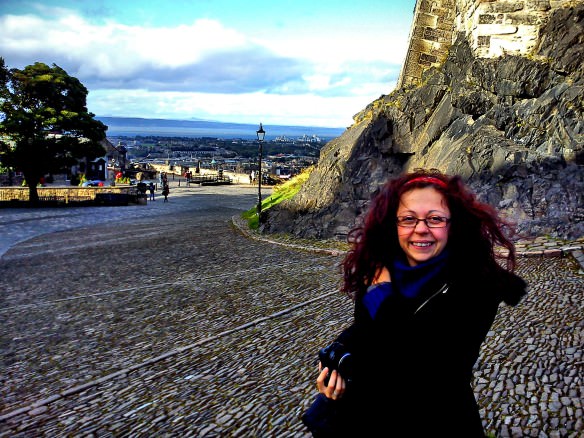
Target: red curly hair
{"points": [[475, 229]]}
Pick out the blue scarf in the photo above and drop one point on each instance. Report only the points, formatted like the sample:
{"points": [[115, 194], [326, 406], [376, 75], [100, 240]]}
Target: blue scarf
{"points": [[408, 280]]}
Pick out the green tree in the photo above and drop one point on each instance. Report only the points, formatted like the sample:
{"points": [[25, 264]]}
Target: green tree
{"points": [[45, 126]]}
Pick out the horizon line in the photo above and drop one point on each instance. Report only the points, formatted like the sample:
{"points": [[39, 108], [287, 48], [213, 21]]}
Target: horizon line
{"points": [[218, 121]]}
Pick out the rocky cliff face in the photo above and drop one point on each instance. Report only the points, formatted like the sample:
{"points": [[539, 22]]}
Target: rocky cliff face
{"points": [[513, 127]]}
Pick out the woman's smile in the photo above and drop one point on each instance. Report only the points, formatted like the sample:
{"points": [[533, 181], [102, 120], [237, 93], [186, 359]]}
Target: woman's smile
{"points": [[422, 244]]}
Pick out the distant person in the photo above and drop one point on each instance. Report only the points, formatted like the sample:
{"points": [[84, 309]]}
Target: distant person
{"points": [[165, 192], [151, 188]]}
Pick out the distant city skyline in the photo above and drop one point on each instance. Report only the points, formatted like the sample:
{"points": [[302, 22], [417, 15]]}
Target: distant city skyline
{"points": [[300, 63], [130, 127]]}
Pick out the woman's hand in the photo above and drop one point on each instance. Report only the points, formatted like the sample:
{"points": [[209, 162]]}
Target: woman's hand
{"points": [[336, 384]]}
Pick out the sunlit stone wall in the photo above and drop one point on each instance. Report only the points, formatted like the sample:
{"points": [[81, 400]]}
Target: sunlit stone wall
{"points": [[430, 38], [493, 28]]}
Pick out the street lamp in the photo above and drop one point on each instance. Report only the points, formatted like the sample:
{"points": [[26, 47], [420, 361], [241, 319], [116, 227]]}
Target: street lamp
{"points": [[261, 135]]}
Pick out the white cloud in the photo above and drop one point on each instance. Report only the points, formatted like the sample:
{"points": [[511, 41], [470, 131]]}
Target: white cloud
{"points": [[305, 109], [206, 70], [338, 47]]}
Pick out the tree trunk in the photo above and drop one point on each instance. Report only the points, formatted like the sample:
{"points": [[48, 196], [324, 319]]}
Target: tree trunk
{"points": [[33, 195]]}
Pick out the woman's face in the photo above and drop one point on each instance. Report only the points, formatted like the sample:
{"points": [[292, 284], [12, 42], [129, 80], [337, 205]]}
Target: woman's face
{"points": [[421, 243]]}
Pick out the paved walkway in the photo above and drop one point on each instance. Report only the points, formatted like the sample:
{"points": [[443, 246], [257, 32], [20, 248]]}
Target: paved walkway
{"points": [[165, 319], [20, 224]]}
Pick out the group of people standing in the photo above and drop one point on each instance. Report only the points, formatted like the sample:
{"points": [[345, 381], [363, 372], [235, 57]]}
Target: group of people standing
{"points": [[165, 187]]}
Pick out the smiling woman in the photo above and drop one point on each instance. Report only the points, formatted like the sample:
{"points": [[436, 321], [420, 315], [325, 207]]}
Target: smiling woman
{"points": [[427, 287]]}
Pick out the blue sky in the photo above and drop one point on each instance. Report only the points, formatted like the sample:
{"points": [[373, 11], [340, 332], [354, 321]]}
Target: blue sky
{"points": [[295, 62]]}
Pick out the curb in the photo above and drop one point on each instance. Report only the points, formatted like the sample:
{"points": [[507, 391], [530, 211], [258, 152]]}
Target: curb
{"points": [[241, 226], [575, 250]]}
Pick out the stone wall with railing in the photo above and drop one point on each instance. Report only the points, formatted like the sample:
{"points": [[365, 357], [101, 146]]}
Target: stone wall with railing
{"points": [[65, 194]]}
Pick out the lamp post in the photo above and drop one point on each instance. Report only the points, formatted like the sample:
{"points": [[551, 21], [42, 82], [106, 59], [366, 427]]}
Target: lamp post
{"points": [[261, 135]]}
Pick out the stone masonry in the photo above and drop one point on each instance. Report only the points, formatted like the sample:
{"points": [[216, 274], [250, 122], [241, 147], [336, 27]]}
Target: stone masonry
{"points": [[430, 38], [493, 28]]}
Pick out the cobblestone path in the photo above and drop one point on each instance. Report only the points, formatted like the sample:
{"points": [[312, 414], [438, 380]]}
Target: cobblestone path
{"points": [[178, 325]]}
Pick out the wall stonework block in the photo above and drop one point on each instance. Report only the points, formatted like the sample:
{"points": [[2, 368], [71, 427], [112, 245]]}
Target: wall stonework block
{"points": [[431, 34], [418, 46], [425, 6], [527, 19], [541, 5], [426, 59], [417, 34], [484, 41], [438, 53], [426, 20], [487, 18], [440, 12], [503, 7]]}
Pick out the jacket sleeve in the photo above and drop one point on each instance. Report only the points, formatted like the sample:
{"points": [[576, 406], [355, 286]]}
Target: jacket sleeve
{"points": [[352, 336], [479, 306], [513, 288]]}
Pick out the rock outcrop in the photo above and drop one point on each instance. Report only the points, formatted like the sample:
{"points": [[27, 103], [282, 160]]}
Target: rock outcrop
{"points": [[512, 126]]}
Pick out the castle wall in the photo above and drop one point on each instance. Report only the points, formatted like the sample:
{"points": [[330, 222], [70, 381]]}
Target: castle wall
{"points": [[501, 27], [493, 28], [430, 38]]}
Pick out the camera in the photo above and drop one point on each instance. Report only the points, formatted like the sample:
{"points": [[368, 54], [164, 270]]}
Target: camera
{"points": [[336, 357]]}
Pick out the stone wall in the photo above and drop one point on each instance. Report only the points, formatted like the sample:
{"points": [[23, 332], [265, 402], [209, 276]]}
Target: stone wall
{"points": [[64, 194], [236, 177], [497, 28], [430, 39], [493, 28]]}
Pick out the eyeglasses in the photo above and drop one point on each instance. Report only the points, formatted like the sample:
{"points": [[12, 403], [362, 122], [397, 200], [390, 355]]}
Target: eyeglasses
{"points": [[430, 221]]}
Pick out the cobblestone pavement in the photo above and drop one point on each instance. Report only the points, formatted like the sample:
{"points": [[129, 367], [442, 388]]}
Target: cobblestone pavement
{"points": [[166, 320]]}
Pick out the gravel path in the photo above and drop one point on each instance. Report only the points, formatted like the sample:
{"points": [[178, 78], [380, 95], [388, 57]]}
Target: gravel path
{"points": [[165, 320]]}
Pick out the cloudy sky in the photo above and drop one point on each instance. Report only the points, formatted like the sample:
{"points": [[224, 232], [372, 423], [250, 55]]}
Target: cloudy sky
{"points": [[294, 62]]}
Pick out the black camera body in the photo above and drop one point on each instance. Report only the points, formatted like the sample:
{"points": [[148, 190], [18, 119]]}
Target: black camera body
{"points": [[336, 357]]}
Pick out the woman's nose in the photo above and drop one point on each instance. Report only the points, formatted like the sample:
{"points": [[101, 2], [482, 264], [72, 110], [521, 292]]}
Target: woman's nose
{"points": [[423, 224]]}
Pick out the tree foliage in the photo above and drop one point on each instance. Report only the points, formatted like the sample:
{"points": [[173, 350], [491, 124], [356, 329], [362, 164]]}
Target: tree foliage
{"points": [[45, 126]]}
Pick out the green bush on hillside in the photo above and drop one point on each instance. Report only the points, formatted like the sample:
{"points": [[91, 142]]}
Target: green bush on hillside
{"points": [[280, 193]]}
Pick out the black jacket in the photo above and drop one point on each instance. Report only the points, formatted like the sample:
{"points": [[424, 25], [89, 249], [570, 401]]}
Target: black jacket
{"points": [[414, 361]]}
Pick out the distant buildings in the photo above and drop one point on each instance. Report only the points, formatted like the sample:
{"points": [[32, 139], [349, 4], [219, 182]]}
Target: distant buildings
{"points": [[304, 139]]}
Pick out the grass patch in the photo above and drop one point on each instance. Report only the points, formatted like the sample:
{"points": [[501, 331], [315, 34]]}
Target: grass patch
{"points": [[280, 193]]}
